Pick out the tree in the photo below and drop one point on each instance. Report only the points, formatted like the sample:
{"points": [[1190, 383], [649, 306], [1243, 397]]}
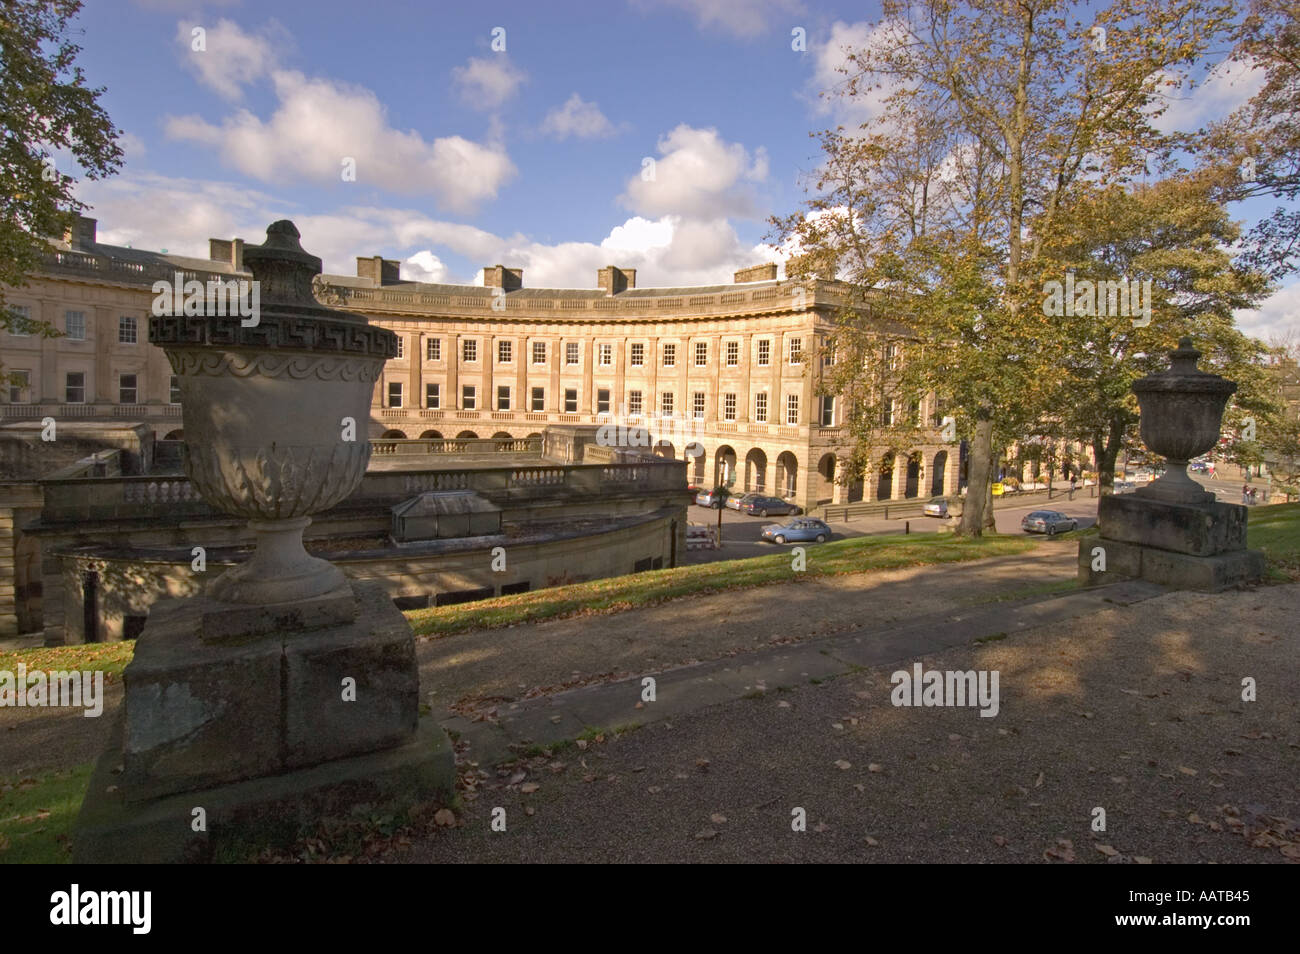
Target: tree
{"points": [[1175, 234], [45, 106], [992, 114], [1262, 139]]}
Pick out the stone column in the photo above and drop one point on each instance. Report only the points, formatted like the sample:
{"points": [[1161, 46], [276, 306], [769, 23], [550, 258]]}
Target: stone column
{"points": [[840, 489], [900, 476], [620, 378], [556, 401], [451, 400], [8, 604], [586, 354], [745, 399]]}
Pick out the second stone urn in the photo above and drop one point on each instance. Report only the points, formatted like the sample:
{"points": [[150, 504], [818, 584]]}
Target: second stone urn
{"points": [[1182, 411], [275, 410]]}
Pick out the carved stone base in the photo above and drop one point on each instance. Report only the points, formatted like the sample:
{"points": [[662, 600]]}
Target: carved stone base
{"points": [[201, 713], [280, 569]]}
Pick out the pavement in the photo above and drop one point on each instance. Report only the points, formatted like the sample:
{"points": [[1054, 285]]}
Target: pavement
{"points": [[1121, 736]]}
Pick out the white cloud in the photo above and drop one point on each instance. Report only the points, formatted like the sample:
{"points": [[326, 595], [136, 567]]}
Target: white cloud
{"points": [[1276, 316], [232, 57], [698, 175], [319, 123], [639, 235], [828, 82], [133, 146], [487, 82], [1229, 85], [424, 266], [151, 211], [742, 18], [577, 118]]}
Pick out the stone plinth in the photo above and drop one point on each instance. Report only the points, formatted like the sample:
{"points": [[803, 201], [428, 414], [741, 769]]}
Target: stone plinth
{"points": [[265, 732], [1187, 546], [201, 713], [1195, 529]]}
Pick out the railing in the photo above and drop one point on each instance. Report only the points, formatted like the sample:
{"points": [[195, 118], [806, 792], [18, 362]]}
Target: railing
{"points": [[80, 499], [24, 412], [465, 446]]}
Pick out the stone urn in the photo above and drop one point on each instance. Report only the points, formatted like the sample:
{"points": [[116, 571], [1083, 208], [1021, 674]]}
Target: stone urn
{"points": [[1182, 412], [275, 412]]}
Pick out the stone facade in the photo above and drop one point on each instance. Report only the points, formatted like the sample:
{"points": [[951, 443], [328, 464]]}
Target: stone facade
{"points": [[734, 368]]}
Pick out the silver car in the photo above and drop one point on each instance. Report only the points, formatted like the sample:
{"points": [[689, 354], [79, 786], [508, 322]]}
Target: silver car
{"points": [[1050, 522], [937, 507]]}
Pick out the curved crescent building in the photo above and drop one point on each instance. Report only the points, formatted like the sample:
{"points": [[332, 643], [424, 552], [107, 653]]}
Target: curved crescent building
{"points": [[726, 377]]}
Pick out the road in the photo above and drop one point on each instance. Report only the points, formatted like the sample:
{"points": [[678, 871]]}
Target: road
{"points": [[740, 532]]}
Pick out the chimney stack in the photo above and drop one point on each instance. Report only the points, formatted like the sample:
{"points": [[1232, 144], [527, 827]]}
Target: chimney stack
{"points": [[81, 234], [228, 252], [756, 273], [379, 270], [612, 280], [498, 276]]}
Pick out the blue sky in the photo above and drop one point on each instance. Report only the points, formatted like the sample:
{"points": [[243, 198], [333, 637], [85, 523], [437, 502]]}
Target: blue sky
{"points": [[466, 155]]}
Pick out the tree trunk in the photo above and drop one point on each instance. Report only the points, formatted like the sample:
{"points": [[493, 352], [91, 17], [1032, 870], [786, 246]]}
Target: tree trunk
{"points": [[979, 485], [1105, 447]]}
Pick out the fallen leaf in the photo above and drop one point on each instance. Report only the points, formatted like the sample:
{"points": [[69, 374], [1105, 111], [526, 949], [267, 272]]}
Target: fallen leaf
{"points": [[1038, 782], [444, 817], [874, 767], [1186, 771], [706, 834], [783, 704], [999, 840], [702, 764], [529, 787], [654, 789], [872, 842], [529, 810], [1107, 850], [517, 778], [718, 819], [843, 765], [1141, 860]]}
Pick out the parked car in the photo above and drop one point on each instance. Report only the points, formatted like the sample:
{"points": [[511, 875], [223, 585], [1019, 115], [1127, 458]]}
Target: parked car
{"points": [[1120, 486], [1050, 522], [937, 507], [753, 505], [712, 498], [798, 530], [735, 500]]}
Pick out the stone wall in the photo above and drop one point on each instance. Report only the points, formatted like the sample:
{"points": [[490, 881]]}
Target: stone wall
{"points": [[124, 585]]}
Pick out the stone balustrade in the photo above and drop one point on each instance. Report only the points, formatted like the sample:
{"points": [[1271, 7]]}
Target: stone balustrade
{"points": [[79, 499]]}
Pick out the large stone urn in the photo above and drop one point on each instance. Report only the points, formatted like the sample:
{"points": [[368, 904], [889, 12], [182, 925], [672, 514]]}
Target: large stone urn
{"points": [[275, 413], [1173, 532], [285, 693], [1182, 411]]}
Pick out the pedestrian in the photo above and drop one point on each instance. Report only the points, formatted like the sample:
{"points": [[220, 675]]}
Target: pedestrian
{"points": [[1253, 492], [1245, 493]]}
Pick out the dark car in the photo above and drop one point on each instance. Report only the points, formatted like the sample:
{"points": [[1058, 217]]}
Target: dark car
{"points": [[712, 498], [757, 505], [1050, 522], [799, 530]]}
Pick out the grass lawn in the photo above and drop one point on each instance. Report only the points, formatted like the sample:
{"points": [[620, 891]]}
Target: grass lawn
{"points": [[617, 594], [110, 657], [1276, 530], [36, 815]]}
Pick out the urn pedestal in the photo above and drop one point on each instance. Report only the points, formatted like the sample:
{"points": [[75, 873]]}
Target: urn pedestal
{"points": [[1173, 532], [286, 692]]}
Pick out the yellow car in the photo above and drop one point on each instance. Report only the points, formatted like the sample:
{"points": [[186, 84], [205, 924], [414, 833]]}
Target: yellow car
{"points": [[998, 490]]}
